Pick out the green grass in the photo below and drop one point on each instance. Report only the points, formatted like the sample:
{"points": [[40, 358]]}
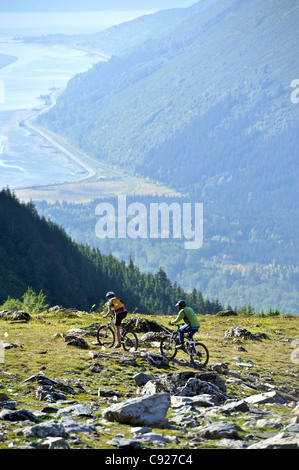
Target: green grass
{"points": [[43, 348]]}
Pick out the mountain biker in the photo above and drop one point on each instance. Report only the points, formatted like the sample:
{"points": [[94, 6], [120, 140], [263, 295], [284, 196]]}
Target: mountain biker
{"points": [[191, 325], [116, 306]]}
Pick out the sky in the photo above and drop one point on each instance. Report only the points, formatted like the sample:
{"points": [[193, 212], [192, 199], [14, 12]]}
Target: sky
{"points": [[90, 5], [39, 17]]}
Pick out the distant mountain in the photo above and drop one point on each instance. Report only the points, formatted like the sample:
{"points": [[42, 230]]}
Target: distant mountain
{"points": [[205, 108]]}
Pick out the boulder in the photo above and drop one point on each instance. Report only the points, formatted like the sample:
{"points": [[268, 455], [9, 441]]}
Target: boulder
{"points": [[46, 429], [149, 410], [219, 430]]}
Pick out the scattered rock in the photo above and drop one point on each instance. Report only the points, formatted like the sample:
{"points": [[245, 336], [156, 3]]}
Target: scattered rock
{"points": [[55, 443], [150, 410], [219, 430], [268, 397], [18, 415], [46, 429], [238, 332]]}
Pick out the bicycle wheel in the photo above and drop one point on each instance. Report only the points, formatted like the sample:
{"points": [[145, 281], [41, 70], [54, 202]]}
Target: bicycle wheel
{"points": [[130, 341], [106, 336], [168, 346], [202, 355]]}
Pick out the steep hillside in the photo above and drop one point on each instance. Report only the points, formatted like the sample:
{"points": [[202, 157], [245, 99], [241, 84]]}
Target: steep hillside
{"points": [[210, 101], [37, 253]]}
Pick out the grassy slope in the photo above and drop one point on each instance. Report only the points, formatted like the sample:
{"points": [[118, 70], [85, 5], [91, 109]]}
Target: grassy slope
{"points": [[43, 347]]}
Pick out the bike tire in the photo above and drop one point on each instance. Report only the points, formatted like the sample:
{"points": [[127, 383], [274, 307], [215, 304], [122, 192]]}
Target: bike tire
{"points": [[202, 356], [168, 346], [130, 341], [106, 336]]}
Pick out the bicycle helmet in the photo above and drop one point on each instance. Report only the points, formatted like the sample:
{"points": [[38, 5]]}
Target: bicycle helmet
{"points": [[110, 293], [181, 303]]}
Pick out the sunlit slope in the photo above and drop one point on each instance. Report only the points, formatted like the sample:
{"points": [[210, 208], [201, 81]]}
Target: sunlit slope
{"points": [[211, 101]]}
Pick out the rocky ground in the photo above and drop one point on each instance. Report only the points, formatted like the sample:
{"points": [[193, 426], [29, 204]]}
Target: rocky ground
{"points": [[156, 407]]}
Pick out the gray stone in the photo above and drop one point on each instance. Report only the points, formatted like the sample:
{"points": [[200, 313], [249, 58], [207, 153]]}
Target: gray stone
{"points": [[204, 400], [219, 430], [142, 378], [55, 443], [77, 409], [46, 429], [125, 443], [282, 440], [151, 436], [149, 410], [267, 397], [18, 415], [72, 426]]}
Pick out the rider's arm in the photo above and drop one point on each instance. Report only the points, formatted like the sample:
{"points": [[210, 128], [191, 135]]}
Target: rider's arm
{"points": [[179, 318], [110, 309]]}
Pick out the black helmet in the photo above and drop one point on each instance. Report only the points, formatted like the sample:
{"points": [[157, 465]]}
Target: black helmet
{"points": [[181, 303]]}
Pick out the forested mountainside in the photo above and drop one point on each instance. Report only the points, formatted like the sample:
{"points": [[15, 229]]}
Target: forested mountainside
{"points": [[247, 258], [37, 253], [205, 108]]}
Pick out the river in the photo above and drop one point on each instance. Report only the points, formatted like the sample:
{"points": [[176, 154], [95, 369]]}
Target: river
{"points": [[25, 158]]}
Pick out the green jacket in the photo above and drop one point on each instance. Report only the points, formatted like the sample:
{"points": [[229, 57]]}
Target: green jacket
{"points": [[188, 316]]}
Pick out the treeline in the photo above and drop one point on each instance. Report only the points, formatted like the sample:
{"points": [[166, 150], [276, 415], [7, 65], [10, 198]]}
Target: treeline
{"points": [[247, 256], [37, 253]]}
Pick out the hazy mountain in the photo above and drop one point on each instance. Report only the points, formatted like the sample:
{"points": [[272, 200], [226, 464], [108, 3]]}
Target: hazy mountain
{"points": [[205, 108]]}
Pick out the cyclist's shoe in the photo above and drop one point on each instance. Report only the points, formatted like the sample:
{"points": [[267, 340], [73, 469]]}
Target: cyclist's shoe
{"points": [[118, 345], [181, 347]]}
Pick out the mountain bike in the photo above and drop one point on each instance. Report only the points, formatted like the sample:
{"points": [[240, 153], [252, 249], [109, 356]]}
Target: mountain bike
{"points": [[106, 335], [169, 348]]}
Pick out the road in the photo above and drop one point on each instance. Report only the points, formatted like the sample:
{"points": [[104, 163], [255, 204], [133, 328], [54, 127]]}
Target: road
{"points": [[93, 167]]}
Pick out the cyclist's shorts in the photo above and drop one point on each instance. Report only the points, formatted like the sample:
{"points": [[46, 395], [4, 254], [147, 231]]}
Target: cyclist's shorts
{"points": [[189, 329], [119, 316]]}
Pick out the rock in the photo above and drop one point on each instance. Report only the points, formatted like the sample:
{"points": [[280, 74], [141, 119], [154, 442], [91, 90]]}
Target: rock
{"points": [[125, 443], [72, 426], [18, 415], [78, 409], [269, 423], [238, 332], [232, 444], [203, 400], [234, 406], [151, 436], [3, 397], [282, 440], [5, 345], [219, 430], [142, 378], [40, 378], [187, 384], [104, 392], [55, 443], [150, 410], [76, 342], [267, 397], [46, 429]]}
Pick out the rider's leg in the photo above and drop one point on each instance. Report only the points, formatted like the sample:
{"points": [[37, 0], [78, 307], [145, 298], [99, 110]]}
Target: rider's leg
{"points": [[118, 336], [182, 332]]}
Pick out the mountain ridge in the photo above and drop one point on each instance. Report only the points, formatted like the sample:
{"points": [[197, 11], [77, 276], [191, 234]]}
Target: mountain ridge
{"points": [[196, 86]]}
